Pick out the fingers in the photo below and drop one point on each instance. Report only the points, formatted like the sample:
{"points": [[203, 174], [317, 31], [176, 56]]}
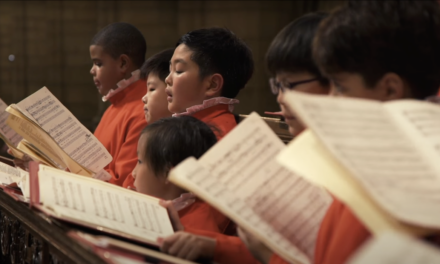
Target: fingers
{"points": [[188, 246], [173, 214]]}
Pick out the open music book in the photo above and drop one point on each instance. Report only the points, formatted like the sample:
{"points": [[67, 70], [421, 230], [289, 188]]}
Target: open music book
{"points": [[117, 251], [7, 134], [99, 205], [240, 177], [55, 137], [381, 159], [393, 248]]}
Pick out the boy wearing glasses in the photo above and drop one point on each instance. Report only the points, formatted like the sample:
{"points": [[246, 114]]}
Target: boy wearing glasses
{"points": [[289, 61]]}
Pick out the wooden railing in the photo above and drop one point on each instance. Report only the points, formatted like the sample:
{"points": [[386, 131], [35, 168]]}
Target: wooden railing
{"points": [[29, 237]]}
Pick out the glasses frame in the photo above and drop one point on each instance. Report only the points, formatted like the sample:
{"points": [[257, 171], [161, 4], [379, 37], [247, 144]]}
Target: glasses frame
{"points": [[276, 87]]}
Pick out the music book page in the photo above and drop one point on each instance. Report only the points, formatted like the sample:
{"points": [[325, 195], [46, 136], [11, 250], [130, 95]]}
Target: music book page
{"points": [[75, 139], [395, 248], [319, 166], [374, 148], [9, 174], [102, 205], [6, 132], [240, 177]]}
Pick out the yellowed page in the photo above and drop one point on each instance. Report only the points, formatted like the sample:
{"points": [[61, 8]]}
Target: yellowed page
{"points": [[371, 144], [8, 134], [73, 138], [395, 248], [239, 176], [307, 156], [103, 205], [35, 155]]}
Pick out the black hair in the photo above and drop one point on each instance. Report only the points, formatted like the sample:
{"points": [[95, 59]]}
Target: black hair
{"points": [[122, 38], [158, 64], [372, 38], [219, 50], [291, 49], [171, 140]]}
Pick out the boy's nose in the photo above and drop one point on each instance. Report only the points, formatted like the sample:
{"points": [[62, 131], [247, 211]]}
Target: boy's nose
{"points": [[144, 99], [168, 80], [92, 71]]}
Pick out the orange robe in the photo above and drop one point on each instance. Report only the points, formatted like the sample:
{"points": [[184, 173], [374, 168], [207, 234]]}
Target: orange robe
{"points": [[120, 128], [201, 216]]}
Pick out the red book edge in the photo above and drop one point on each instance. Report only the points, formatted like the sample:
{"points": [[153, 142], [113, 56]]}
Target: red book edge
{"points": [[34, 184]]}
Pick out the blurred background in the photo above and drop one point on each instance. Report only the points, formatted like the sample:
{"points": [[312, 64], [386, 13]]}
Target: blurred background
{"points": [[46, 43]]}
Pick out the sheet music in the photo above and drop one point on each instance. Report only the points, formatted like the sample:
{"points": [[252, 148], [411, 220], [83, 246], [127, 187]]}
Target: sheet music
{"points": [[370, 143], [76, 140], [394, 248], [103, 204], [5, 130], [420, 120], [242, 173], [9, 174]]}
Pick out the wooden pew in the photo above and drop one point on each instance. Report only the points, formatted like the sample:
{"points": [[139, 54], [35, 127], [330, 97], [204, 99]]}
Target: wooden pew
{"points": [[279, 127]]}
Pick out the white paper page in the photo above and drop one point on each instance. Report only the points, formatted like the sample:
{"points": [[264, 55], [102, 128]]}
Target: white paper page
{"points": [[103, 204], [366, 140], [5, 130], [75, 139], [394, 248], [420, 120], [9, 174], [243, 173]]}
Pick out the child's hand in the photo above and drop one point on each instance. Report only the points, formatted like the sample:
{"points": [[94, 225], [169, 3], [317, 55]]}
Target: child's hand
{"points": [[259, 250], [174, 215], [188, 246]]}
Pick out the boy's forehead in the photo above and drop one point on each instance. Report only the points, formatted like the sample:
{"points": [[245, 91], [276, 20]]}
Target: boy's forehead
{"points": [[182, 54]]}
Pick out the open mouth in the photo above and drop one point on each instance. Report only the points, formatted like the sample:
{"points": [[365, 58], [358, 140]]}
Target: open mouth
{"points": [[169, 95]]}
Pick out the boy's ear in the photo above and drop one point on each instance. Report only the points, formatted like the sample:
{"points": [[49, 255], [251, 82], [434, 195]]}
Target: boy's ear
{"points": [[393, 87], [124, 63], [215, 85]]}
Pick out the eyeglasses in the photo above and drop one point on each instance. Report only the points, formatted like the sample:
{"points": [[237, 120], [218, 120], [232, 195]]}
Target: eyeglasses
{"points": [[277, 86]]}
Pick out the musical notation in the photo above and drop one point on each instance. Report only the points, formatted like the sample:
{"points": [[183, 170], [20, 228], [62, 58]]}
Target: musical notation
{"points": [[7, 132], [102, 204], [242, 172], [48, 112], [383, 146]]}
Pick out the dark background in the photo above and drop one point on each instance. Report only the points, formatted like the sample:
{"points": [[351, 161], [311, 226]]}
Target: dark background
{"points": [[50, 42]]}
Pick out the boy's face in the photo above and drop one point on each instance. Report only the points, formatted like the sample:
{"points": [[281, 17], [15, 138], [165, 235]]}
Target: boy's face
{"points": [[105, 70], [184, 86], [352, 85], [155, 101], [314, 87], [146, 181]]}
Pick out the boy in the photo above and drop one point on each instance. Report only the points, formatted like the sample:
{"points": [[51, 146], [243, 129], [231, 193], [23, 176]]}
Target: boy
{"points": [[155, 104], [164, 144], [289, 61], [395, 57], [117, 51], [208, 68]]}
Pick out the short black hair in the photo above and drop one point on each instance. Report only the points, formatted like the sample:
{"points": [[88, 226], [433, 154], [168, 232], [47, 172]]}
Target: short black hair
{"points": [[291, 49], [219, 50], [372, 38], [158, 64], [122, 38], [171, 140]]}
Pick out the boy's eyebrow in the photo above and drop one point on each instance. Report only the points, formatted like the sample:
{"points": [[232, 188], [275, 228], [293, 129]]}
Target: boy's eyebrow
{"points": [[178, 61]]}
